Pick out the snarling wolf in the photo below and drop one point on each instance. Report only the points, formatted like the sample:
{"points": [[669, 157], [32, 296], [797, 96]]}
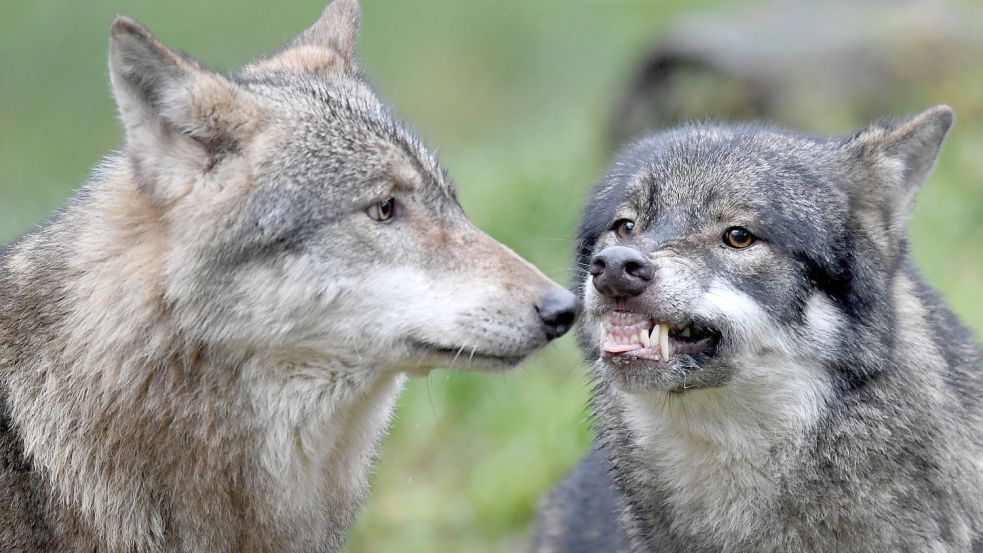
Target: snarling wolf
{"points": [[771, 373], [200, 352]]}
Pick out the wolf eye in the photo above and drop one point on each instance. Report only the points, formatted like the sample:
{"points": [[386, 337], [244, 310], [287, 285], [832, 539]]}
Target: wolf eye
{"points": [[623, 227], [739, 238], [382, 211]]}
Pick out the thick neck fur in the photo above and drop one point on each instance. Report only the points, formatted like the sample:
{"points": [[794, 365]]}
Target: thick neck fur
{"points": [[151, 440], [787, 460]]}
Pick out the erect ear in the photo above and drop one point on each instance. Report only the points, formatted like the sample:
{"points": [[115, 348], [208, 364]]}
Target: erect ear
{"points": [[896, 157], [171, 107], [327, 46]]}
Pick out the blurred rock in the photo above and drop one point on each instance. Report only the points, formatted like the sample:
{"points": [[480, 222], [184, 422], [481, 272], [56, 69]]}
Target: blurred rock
{"points": [[816, 65]]}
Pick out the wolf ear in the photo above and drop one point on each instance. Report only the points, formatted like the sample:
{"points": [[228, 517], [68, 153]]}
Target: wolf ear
{"points": [[327, 46], [170, 106], [336, 29], [895, 159]]}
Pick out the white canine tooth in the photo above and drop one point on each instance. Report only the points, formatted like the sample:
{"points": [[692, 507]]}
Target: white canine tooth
{"points": [[664, 342], [686, 333], [654, 337], [643, 336]]}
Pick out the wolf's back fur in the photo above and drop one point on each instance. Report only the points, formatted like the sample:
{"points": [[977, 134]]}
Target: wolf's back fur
{"points": [[849, 413], [201, 350]]}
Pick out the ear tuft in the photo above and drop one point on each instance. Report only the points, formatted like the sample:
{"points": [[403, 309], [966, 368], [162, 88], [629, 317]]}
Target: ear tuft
{"points": [[336, 29], [142, 71], [327, 46], [175, 113], [895, 158], [911, 145], [919, 141]]}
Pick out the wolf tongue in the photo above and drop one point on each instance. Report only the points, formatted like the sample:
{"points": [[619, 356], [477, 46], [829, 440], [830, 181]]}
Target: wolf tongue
{"points": [[611, 347]]}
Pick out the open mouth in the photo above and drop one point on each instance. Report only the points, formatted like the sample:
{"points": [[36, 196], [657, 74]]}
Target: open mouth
{"points": [[631, 335]]}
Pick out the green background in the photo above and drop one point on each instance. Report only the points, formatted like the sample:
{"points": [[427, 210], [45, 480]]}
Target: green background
{"points": [[515, 96]]}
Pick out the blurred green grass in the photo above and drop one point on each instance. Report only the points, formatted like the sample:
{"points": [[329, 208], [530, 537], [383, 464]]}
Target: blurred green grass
{"points": [[515, 97]]}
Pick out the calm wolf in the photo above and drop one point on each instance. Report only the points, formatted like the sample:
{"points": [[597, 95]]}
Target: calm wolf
{"points": [[200, 352], [771, 372]]}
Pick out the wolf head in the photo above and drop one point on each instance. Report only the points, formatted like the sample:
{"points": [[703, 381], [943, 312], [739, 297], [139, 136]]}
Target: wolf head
{"points": [[293, 212], [711, 255]]}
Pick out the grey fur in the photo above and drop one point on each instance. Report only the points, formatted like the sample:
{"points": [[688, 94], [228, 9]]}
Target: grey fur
{"points": [[841, 410], [200, 352]]}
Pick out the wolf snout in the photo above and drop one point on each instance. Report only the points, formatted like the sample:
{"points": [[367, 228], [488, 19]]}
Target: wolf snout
{"points": [[621, 272], [558, 309]]}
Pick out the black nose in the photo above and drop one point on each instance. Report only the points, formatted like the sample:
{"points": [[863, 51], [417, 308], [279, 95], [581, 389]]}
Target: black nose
{"points": [[558, 309], [621, 272]]}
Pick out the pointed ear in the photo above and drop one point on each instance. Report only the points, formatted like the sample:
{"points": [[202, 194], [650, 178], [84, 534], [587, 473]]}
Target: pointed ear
{"points": [[336, 29], [895, 158], [329, 45], [170, 106]]}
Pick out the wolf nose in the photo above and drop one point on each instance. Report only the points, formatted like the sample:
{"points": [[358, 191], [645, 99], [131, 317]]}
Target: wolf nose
{"points": [[621, 272], [558, 309]]}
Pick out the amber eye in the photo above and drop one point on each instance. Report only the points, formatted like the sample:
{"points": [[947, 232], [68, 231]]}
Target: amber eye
{"points": [[738, 237], [624, 227], [382, 211]]}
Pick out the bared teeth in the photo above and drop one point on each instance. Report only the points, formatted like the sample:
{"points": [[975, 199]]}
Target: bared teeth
{"points": [[664, 342], [623, 333]]}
